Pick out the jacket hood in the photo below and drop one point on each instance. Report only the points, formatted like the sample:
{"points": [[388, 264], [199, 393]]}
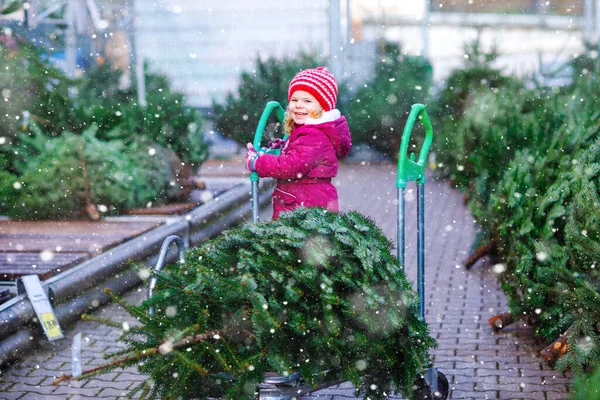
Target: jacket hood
{"points": [[336, 130]]}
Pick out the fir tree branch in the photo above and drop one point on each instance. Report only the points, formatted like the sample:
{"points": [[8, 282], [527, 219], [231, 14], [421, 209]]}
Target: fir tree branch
{"points": [[122, 362]]}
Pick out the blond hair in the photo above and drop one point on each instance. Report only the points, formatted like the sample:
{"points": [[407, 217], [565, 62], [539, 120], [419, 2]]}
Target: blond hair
{"points": [[288, 121]]}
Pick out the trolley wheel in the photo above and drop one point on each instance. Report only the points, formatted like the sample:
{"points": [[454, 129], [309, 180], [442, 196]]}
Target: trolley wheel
{"points": [[424, 390]]}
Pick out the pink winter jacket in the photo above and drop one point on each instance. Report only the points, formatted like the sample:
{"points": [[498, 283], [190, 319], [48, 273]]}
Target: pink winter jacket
{"points": [[308, 161]]}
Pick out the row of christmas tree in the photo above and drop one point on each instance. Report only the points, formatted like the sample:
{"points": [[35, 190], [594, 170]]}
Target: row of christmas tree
{"points": [[527, 155]]}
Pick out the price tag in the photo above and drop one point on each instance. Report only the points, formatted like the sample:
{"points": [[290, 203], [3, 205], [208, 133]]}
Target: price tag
{"points": [[42, 307]]}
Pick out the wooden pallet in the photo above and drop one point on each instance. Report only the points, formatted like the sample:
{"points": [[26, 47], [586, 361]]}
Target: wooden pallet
{"points": [[46, 248]]}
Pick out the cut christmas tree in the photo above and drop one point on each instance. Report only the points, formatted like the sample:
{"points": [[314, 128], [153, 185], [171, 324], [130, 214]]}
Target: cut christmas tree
{"points": [[312, 292]]}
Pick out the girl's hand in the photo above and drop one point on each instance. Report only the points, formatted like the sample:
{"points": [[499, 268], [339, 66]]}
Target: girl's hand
{"points": [[276, 143], [251, 156]]}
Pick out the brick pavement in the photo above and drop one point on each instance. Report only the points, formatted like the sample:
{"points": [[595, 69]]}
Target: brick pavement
{"points": [[478, 363]]}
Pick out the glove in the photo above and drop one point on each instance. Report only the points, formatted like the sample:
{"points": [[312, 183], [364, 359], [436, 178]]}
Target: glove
{"points": [[276, 143], [251, 156]]}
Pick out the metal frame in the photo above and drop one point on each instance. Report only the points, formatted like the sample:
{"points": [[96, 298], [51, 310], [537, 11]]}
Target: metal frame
{"points": [[162, 257], [410, 169]]}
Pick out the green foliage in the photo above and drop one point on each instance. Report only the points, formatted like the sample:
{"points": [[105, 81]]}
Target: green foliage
{"points": [[587, 387], [464, 83], [532, 165], [377, 112], [10, 6], [7, 180], [32, 91], [64, 174], [37, 107], [311, 292], [165, 119], [478, 100], [268, 81]]}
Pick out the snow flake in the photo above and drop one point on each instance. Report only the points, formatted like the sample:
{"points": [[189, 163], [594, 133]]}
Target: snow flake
{"points": [[499, 268], [144, 273], [541, 256], [165, 348], [206, 196], [126, 326], [361, 365], [171, 311], [46, 255]]}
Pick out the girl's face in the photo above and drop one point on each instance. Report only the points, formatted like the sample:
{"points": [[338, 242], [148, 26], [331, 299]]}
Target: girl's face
{"points": [[302, 106]]}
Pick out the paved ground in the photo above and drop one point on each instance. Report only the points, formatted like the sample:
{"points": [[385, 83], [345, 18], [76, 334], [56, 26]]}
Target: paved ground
{"points": [[478, 363]]}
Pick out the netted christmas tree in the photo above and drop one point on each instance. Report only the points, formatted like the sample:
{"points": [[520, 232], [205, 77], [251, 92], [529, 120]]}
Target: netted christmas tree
{"points": [[311, 292]]}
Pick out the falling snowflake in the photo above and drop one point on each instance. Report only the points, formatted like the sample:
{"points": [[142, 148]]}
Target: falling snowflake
{"points": [[499, 268], [46, 255]]}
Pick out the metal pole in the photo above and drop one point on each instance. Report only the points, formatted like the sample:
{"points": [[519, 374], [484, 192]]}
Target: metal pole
{"points": [[71, 39], [401, 210], [348, 23], [164, 250], [425, 28], [335, 41], [255, 201], [598, 23], [421, 247], [588, 15], [140, 76]]}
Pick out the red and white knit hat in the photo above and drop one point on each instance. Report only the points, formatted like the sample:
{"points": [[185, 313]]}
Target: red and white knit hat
{"points": [[319, 82]]}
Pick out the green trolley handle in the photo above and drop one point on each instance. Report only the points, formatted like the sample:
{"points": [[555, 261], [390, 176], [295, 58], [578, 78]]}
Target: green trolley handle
{"points": [[408, 169], [432, 380], [262, 123], [411, 170]]}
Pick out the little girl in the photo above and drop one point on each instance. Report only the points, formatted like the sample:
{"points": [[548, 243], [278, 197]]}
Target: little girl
{"points": [[318, 138]]}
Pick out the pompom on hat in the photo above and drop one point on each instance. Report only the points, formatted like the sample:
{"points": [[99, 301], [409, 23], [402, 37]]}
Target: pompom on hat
{"points": [[319, 82]]}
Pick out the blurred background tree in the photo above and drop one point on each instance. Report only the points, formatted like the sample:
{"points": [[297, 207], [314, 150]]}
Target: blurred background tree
{"points": [[378, 111], [156, 147], [237, 117]]}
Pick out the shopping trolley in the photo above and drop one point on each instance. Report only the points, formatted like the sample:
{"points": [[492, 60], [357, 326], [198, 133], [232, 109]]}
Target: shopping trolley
{"points": [[431, 383]]}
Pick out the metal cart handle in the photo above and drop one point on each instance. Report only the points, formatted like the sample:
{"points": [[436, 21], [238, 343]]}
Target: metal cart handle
{"points": [[408, 169], [262, 123], [260, 128], [162, 257]]}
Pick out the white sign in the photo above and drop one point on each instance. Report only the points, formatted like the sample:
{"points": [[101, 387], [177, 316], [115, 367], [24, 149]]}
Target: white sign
{"points": [[76, 356], [42, 307]]}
